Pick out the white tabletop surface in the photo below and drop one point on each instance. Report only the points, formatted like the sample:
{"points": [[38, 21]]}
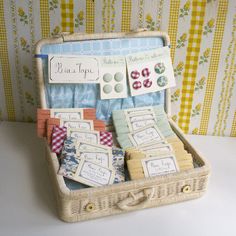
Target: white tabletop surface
{"points": [[27, 204]]}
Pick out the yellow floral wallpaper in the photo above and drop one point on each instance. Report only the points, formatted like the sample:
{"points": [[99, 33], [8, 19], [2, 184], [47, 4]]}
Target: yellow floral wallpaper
{"points": [[203, 51]]}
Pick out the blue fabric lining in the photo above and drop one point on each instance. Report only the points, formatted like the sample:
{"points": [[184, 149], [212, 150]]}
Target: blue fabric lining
{"points": [[87, 95]]}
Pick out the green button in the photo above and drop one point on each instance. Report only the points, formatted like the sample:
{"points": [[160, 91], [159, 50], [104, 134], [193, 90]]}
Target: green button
{"points": [[107, 88], [118, 76], [107, 77], [162, 81], [119, 88]]}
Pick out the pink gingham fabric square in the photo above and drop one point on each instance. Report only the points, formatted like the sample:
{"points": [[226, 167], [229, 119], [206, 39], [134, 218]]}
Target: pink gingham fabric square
{"points": [[58, 137], [106, 138]]}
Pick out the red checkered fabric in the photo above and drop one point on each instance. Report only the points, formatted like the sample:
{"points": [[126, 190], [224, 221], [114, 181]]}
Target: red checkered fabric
{"points": [[137, 85], [147, 83], [58, 137], [106, 138], [146, 72], [135, 74]]}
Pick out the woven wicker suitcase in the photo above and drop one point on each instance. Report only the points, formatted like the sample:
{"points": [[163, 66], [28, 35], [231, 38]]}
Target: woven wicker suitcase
{"points": [[82, 204]]}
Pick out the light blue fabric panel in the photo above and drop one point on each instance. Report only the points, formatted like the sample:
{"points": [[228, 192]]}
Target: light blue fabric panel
{"points": [[88, 95]]}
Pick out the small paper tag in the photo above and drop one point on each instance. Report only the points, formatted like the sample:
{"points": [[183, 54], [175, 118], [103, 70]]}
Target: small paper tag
{"points": [[86, 136], [92, 174], [161, 149], [78, 124], [73, 69], [67, 114], [145, 135], [139, 120], [89, 146], [103, 158], [161, 165]]}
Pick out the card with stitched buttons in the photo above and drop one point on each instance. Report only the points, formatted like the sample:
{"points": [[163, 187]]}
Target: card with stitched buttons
{"points": [[113, 82], [150, 71]]}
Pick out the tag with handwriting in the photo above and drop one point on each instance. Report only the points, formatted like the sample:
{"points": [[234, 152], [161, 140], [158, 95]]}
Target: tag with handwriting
{"points": [[73, 69], [145, 135], [79, 124], [160, 165], [92, 174], [67, 114]]}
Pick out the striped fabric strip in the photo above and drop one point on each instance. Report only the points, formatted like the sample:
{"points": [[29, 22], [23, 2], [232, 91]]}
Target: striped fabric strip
{"points": [[173, 25], [89, 16], [213, 68], [126, 15], [6, 74], [233, 128], [45, 19], [190, 70], [67, 15]]}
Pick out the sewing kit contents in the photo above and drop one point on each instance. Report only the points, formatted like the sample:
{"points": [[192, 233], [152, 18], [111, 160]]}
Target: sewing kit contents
{"points": [[150, 71], [71, 114], [132, 119], [113, 77]]}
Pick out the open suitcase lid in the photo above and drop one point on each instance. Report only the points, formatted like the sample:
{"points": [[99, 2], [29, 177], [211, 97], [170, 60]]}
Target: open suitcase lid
{"points": [[88, 95]]}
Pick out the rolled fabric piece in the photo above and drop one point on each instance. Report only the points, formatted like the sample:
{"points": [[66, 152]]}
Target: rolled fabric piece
{"points": [[118, 164], [58, 137], [106, 138]]}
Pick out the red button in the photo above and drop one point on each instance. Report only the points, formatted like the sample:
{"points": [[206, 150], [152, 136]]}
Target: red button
{"points": [[137, 85], [147, 83], [146, 72], [135, 74]]}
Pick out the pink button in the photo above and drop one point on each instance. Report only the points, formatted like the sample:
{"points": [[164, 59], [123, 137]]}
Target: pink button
{"points": [[137, 85], [146, 72], [135, 74], [147, 83]]}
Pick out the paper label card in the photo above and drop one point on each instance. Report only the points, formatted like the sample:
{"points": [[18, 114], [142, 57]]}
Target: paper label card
{"points": [[145, 135], [161, 165], [150, 71], [89, 146], [113, 81], [92, 174], [78, 124], [82, 135], [67, 114], [73, 69], [139, 120], [100, 157]]}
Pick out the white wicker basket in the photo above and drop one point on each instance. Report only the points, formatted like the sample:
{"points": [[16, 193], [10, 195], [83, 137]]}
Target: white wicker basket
{"points": [[89, 203]]}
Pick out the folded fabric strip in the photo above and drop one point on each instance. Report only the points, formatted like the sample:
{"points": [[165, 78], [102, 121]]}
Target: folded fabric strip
{"points": [[106, 138], [58, 137]]}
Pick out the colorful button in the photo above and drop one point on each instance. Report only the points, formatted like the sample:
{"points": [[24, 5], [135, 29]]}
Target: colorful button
{"points": [[147, 83], [135, 74], [146, 72], [119, 88], [162, 81], [159, 68], [118, 76], [137, 85], [107, 77], [107, 88]]}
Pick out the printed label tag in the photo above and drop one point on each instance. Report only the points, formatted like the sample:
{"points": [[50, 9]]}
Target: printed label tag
{"points": [[161, 165], [78, 124], [139, 120], [92, 174], [73, 69], [86, 136], [145, 135], [67, 114], [100, 157], [89, 146]]}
